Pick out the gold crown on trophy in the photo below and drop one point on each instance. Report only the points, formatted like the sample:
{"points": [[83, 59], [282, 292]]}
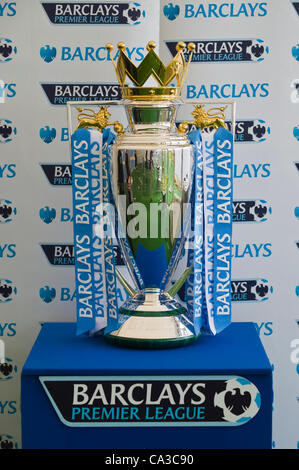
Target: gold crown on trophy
{"points": [[153, 66]]}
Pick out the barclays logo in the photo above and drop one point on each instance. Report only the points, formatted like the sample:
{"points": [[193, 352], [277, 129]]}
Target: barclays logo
{"points": [[264, 328], [48, 53], [7, 329], [112, 13], [7, 131], [7, 170], [7, 369], [250, 130], [61, 93], [7, 290], [295, 52], [252, 170], [7, 250], [61, 294], [252, 250], [246, 130], [296, 212], [7, 442], [50, 294], [256, 210], [228, 90], [8, 407], [58, 174], [7, 50], [50, 133], [8, 9], [171, 11], [199, 10], [245, 290], [8, 90], [250, 290], [234, 50], [47, 134], [89, 54], [47, 294], [47, 214], [296, 132], [59, 254], [7, 211]]}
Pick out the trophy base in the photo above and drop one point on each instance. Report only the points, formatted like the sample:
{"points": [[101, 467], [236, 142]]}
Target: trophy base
{"points": [[155, 321]]}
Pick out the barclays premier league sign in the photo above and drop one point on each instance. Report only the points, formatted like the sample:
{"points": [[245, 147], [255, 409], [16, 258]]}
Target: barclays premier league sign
{"points": [[153, 401], [94, 13]]}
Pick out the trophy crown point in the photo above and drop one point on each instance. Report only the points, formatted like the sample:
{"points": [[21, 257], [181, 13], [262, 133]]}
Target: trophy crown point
{"points": [[180, 46], [121, 46], [152, 66], [109, 46], [191, 46], [151, 45]]}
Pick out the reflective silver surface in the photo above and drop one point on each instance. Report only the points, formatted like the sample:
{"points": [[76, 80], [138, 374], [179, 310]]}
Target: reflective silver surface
{"points": [[152, 173]]}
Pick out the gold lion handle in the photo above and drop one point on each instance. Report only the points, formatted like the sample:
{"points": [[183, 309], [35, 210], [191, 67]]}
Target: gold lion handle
{"points": [[90, 119], [214, 117]]}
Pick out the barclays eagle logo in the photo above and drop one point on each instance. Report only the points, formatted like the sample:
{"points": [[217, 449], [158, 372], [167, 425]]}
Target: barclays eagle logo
{"points": [[48, 53], [296, 132], [47, 134], [7, 442], [295, 52], [240, 401], [133, 14], [259, 130], [7, 290], [257, 50], [7, 50], [7, 369], [7, 211], [7, 131], [47, 214], [47, 294], [171, 11]]}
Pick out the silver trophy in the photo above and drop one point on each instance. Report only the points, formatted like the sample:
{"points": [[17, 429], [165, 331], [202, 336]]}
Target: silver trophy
{"points": [[152, 176]]}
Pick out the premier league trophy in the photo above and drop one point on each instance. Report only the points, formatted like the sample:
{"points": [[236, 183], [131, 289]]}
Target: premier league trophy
{"points": [[156, 171]]}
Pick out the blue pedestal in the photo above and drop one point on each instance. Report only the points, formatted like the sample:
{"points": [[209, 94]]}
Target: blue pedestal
{"points": [[219, 379]]}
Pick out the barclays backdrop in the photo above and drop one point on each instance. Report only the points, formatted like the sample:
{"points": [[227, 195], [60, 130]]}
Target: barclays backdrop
{"points": [[54, 52]]}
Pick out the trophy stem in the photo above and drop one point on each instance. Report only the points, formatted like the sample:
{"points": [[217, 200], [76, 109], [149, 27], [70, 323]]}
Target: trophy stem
{"points": [[154, 321]]}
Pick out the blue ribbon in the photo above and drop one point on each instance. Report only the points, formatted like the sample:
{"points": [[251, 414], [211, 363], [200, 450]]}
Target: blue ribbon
{"points": [[83, 229], [223, 166], [194, 283]]}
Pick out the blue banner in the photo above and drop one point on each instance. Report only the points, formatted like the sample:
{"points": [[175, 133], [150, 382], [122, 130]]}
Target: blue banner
{"points": [[207, 290], [194, 283], [85, 144], [223, 152]]}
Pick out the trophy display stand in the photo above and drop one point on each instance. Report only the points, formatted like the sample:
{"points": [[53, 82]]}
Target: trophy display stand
{"points": [[82, 392]]}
